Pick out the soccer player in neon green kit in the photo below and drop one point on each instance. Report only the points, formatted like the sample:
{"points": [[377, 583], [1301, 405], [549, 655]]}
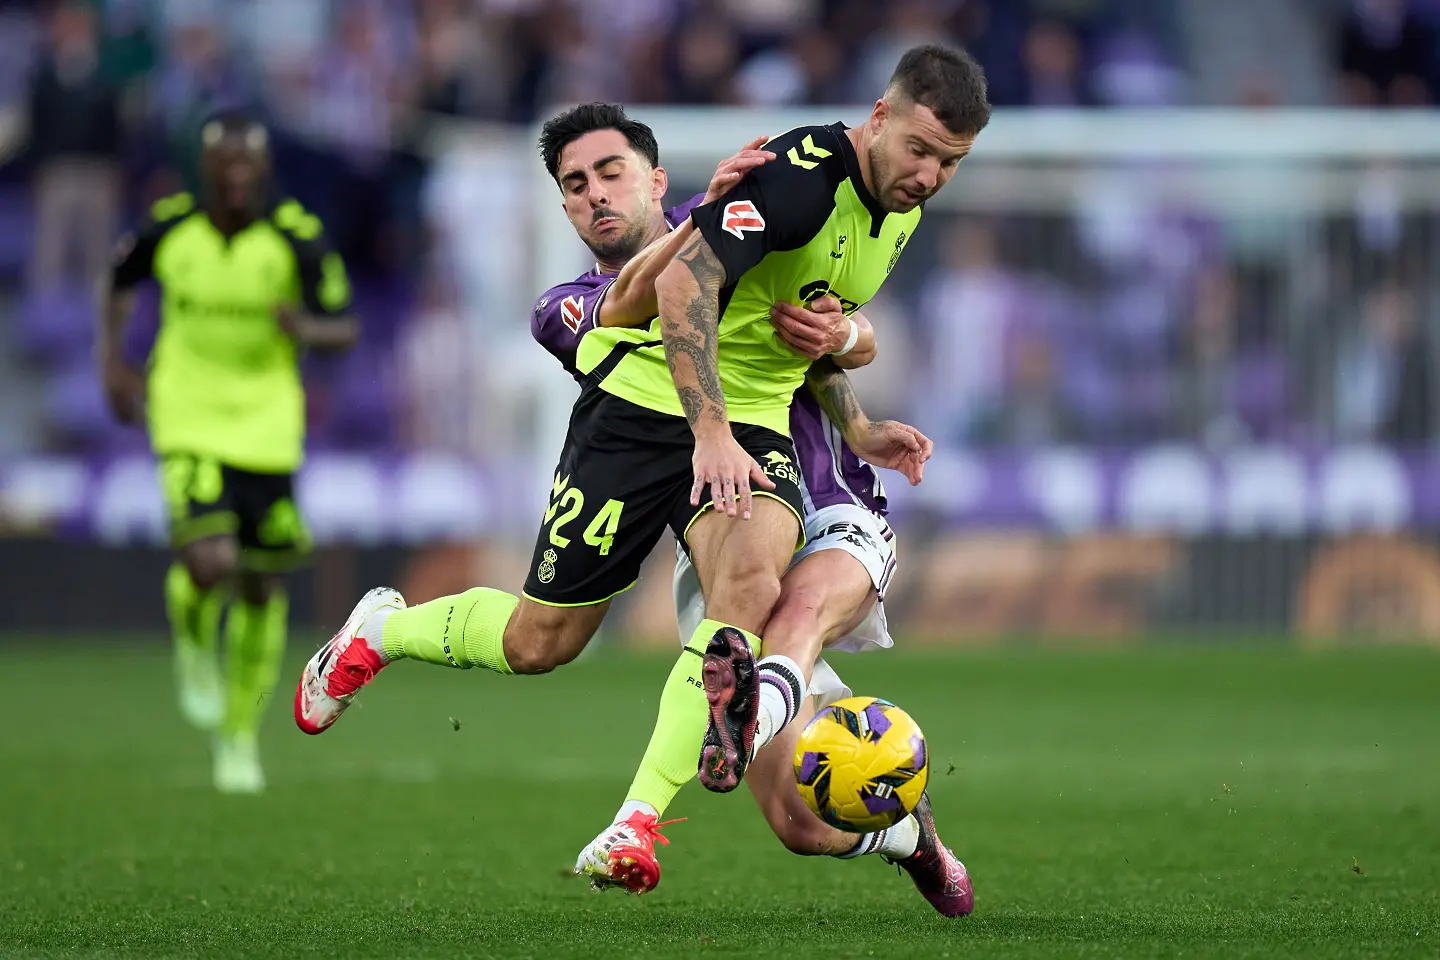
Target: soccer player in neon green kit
{"points": [[247, 285]]}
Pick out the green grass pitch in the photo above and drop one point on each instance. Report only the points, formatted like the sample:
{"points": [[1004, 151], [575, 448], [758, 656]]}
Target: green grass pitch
{"points": [[1165, 802]]}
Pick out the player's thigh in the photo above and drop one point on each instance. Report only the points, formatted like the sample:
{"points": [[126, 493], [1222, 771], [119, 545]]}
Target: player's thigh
{"points": [[272, 534], [739, 562], [202, 516], [824, 596], [771, 779]]}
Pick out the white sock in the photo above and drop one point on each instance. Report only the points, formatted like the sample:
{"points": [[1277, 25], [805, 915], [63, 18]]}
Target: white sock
{"points": [[901, 840], [632, 807], [782, 690], [897, 842], [373, 630]]}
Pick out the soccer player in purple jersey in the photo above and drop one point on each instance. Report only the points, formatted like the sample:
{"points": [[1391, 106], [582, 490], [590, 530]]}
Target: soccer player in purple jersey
{"points": [[832, 596]]}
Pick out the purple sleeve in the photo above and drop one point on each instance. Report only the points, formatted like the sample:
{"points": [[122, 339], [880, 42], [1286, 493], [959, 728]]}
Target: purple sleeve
{"points": [[565, 314], [679, 213]]}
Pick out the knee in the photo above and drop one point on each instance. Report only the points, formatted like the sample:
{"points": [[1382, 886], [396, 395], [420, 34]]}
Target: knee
{"points": [[797, 611], [540, 648], [746, 595], [256, 588], [211, 562], [805, 836]]}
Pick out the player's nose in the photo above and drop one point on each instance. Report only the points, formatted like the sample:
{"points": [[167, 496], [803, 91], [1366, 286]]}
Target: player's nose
{"points": [[928, 175]]}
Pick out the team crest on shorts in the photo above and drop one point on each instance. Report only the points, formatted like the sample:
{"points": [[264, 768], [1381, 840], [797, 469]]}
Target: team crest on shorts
{"points": [[546, 571]]}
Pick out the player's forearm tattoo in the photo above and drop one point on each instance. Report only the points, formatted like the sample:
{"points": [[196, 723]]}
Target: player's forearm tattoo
{"points": [[832, 390], [696, 334]]}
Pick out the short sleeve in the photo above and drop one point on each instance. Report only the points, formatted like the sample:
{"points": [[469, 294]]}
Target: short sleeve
{"points": [[779, 206], [134, 256], [324, 283], [564, 315]]}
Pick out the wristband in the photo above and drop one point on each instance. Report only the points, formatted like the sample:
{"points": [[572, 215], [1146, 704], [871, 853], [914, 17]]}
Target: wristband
{"points": [[850, 342]]}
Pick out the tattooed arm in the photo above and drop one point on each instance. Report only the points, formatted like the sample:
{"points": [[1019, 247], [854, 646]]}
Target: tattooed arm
{"points": [[688, 295], [885, 443]]}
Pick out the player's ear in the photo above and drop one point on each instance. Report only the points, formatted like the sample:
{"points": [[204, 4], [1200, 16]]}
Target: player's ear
{"points": [[880, 113], [659, 183]]}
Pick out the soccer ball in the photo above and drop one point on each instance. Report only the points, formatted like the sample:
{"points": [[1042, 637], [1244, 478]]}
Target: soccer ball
{"points": [[861, 764]]}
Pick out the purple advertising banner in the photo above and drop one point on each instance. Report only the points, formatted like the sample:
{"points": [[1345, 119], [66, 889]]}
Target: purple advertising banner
{"points": [[421, 498]]}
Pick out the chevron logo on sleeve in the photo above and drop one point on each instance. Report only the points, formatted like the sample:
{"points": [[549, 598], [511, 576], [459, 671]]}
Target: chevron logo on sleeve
{"points": [[812, 155]]}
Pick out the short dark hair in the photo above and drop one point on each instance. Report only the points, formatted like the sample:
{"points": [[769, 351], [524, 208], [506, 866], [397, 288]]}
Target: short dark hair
{"points": [[562, 130], [947, 80]]}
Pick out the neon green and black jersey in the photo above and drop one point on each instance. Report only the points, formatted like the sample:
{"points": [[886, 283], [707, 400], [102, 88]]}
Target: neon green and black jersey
{"points": [[802, 226], [224, 380]]}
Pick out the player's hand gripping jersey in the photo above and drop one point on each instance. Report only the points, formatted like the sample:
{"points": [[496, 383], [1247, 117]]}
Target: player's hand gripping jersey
{"points": [[224, 381], [800, 227]]}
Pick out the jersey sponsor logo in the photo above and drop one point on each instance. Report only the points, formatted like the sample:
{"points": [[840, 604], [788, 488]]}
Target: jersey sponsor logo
{"points": [[816, 289], [839, 250], [741, 217], [572, 312], [779, 465], [850, 533], [807, 156]]}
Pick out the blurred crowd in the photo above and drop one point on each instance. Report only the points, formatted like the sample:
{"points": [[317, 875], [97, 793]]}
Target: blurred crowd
{"points": [[1027, 329]]}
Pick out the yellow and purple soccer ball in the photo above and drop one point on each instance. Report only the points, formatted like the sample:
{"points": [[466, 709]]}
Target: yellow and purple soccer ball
{"points": [[861, 764]]}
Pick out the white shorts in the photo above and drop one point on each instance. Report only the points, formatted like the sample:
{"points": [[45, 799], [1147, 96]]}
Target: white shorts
{"points": [[862, 534]]}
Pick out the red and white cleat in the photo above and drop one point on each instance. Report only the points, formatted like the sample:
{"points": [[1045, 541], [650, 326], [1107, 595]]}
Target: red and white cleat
{"points": [[341, 667], [938, 874], [624, 855]]}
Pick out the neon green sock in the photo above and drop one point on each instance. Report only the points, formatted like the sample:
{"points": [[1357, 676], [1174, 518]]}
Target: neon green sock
{"points": [[673, 755], [462, 631], [194, 614], [255, 638]]}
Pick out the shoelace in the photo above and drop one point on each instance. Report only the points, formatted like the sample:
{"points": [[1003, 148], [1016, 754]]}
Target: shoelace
{"points": [[648, 826], [347, 678]]}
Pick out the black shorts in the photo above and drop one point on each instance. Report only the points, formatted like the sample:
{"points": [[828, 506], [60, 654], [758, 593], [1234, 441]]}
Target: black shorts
{"points": [[207, 498], [624, 476]]}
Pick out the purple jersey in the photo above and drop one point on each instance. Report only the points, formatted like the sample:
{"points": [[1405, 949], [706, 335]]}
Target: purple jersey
{"points": [[568, 311], [830, 473]]}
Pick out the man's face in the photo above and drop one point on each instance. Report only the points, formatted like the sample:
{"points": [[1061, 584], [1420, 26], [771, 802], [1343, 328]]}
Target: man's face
{"points": [[912, 154], [235, 164], [611, 193]]}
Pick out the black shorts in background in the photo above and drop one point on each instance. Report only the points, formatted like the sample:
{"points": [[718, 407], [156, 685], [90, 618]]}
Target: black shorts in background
{"points": [[624, 476], [207, 498]]}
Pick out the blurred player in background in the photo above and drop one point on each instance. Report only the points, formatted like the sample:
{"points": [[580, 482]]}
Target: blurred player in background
{"points": [[247, 285], [833, 592]]}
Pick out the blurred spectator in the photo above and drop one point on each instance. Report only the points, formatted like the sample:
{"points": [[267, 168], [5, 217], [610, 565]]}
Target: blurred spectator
{"points": [[968, 308], [75, 146], [1384, 376], [1232, 375], [905, 23], [1053, 75], [1132, 70], [705, 56], [1033, 413], [1386, 56]]}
